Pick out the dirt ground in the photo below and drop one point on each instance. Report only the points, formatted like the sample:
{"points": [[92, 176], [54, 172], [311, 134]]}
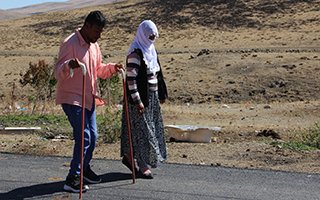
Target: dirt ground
{"points": [[236, 145], [245, 66]]}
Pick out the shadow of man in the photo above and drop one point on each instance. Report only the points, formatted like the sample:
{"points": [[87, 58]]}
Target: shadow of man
{"points": [[56, 188], [34, 190]]}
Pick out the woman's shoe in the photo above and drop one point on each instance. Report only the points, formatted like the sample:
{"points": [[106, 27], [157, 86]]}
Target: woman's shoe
{"points": [[145, 175], [126, 162]]}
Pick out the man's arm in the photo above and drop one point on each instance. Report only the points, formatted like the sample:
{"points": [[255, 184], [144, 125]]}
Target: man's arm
{"points": [[105, 71], [62, 69]]}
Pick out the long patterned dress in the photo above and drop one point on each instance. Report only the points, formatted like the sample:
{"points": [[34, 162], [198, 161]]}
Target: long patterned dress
{"points": [[149, 147]]}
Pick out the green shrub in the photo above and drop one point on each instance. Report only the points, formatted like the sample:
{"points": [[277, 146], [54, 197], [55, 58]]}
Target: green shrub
{"points": [[312, 138], [110, 89], [109, 124], [305, 141]]}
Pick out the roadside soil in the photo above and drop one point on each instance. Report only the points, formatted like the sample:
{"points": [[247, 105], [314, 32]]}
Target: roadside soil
{"points": [[236, 145]]}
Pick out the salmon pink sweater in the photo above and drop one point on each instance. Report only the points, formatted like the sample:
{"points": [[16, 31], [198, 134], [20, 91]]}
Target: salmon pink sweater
{"points": [[69, 89]]}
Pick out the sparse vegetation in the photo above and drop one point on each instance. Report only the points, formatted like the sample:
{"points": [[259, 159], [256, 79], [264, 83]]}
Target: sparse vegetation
{"points": [[50, 124], [303, 141], [40, 77], [312, 138], [292, 145], [109, 124], [110, 90]]}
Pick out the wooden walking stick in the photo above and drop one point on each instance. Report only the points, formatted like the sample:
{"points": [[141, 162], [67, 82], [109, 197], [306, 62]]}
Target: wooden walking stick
{"points": [[83, 67], [126, 107]]}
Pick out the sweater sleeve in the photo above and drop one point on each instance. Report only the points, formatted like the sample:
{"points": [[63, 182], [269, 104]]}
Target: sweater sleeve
{"points": [[62, 70], [133, 65], [104, 71]]}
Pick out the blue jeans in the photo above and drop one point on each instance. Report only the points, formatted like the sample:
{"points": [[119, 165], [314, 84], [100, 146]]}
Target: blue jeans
{"points": [[74, 114]]}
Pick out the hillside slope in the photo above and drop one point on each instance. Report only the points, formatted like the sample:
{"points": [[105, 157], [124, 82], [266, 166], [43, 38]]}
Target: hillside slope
{"points": [[211, 51], [26, 11]]}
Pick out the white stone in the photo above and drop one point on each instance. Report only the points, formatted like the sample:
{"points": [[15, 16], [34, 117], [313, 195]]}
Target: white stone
{"points": [[189, 133]]}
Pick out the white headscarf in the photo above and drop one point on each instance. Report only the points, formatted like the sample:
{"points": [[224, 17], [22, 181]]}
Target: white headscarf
{"points": [[142, 42]]}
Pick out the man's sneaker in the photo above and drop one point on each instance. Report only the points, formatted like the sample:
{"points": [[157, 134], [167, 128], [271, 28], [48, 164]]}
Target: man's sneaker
{"points": [[91, 177], [72, 184]]}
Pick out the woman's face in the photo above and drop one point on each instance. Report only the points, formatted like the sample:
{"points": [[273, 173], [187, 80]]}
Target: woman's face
{"points": [[152, 37]]}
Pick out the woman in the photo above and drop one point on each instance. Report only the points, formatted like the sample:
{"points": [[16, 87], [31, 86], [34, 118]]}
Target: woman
{"points": [[145, 90]]}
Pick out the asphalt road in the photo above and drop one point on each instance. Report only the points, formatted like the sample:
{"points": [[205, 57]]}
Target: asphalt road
{"points": [[34, 177]]}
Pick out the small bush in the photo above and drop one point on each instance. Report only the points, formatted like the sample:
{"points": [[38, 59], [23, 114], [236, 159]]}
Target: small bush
{"points": [[40, 77], [110, 89], [312, 138], [109, 124], [302, 141]]}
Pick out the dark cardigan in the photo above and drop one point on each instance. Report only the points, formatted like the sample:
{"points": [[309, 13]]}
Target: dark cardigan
{"points": [[142, 83]]}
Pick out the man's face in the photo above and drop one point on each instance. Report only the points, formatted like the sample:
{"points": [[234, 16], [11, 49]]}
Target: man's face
{"points": [[94, 32]]}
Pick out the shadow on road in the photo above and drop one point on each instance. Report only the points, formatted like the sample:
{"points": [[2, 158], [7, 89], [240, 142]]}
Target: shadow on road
{"points": [[47, 189], [33, 191]]}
